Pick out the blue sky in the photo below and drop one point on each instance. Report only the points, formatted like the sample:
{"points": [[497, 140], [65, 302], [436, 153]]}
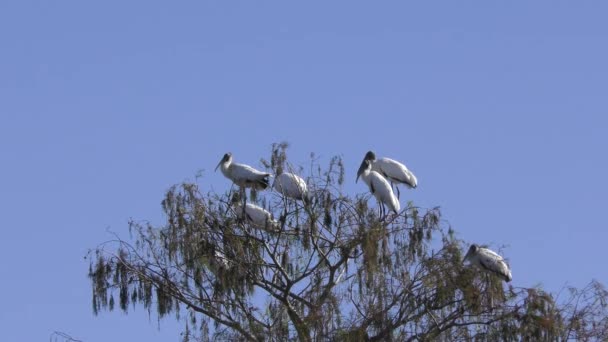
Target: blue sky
{"points": [[500, 109]]}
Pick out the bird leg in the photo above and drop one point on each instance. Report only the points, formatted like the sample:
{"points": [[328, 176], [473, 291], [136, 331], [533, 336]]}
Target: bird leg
{"points": [[397, 188], [243, 193], [382, 210]]}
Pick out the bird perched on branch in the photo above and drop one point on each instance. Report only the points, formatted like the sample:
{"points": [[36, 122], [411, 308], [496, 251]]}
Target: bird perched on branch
{"points": [[291, 185], [488, 260], [243, 175], [256, 215], [394, 171], [379, 187]]}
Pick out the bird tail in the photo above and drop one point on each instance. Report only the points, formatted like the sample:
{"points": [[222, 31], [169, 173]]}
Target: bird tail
{"points": [[412, 182], [272, 226], [396, 205]]}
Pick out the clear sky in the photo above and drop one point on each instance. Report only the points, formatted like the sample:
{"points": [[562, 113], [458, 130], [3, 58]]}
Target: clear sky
{"points": [[499, 107]]}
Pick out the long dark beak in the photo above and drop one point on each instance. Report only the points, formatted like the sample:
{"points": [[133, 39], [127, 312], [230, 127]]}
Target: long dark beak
{"points": [[218, 164], [466, 257], [360, 172]]}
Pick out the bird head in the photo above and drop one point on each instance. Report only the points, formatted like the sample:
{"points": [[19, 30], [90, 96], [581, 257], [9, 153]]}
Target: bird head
{"points": [[370, 155], [365, 165], [227, 158], [472, 250]]}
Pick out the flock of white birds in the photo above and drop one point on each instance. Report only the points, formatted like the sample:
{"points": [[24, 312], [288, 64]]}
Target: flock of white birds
{"points": [[380, 175]]}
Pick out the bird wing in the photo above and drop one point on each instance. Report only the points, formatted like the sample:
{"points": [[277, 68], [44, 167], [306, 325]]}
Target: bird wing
{"points": [[385, 192], [290, 185], [244, 214], [243, 171], [260, 217], [257, 215], [245, 175], [300, 183], [494, 263], [395, 171]]}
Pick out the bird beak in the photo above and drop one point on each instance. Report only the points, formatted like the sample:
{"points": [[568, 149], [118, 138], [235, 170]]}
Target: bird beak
{"points": [[360, 172], [220, 163], [466, 257]]}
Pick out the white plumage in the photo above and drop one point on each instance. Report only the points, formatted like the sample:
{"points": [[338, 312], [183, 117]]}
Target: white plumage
{"points": [[488, 260], [291, 185], [394, 171], [220, 260], [257, 216], [217, 260], [378, 186], [243, 175]]}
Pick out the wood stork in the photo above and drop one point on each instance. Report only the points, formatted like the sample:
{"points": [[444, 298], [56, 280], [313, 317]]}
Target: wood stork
{"points": [[393, 171], [257, 216], [379, 187], [291, 185], [243, 175], [488, 260]]}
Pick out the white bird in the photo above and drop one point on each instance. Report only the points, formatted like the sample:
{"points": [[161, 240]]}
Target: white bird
{"points": [[291, 185], [488, 260], [257, 216], [393, 171], [243, 175], [378, 186]]}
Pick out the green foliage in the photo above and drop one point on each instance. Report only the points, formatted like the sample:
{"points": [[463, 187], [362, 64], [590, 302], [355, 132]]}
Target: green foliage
{"points": [[334, 271]]}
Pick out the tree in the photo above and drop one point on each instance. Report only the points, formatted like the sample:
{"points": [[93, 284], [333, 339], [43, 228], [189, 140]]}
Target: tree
{"points": [[331, 269]]}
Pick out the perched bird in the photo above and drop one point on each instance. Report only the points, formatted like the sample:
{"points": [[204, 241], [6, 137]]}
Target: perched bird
{"points": [[291, 185], [394, 171], [378, 186], [257, 216], [489, 261], [243, 175]]}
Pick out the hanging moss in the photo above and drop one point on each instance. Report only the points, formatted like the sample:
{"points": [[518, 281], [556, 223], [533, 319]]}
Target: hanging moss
{"points": [[348, 274]]}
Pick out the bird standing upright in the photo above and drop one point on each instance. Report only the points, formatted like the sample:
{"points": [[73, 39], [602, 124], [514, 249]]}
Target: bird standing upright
{"points": [[379, 187], [488, 260], [243, 175], [393, 171]]}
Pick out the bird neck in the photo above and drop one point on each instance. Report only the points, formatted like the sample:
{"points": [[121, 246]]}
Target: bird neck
{"points": [[224, 167], [365, 176]]}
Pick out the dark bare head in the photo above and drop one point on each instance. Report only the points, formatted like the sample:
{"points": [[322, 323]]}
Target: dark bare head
{"points": [[365, 166], [227, 158], [472, 251], [370, 155]]}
